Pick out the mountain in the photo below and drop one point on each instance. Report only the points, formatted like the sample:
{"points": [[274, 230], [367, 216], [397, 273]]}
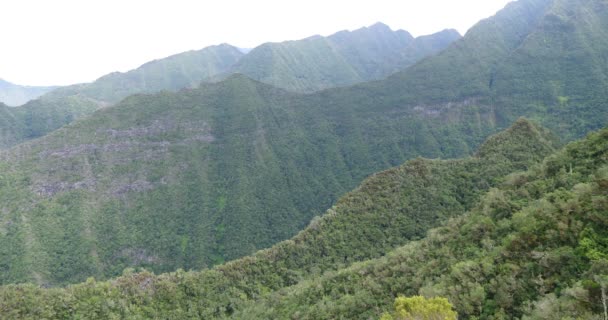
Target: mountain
{"points": [[179, 71], [63, 105], [346, 57], [529, 243], [194, 178], [36, 118], [16, 95], [534, 248], [539, 58], [341, 59]]}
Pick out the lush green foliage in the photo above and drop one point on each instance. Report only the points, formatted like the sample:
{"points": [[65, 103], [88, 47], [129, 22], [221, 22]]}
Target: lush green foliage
{"points": [[66, 104], [386, 211], [344, 58], [37, 118], [16, 95], [530, 248], [543, 59], [194, 178], [538, 58], [184, 70], [341, 59], [421, 308]]}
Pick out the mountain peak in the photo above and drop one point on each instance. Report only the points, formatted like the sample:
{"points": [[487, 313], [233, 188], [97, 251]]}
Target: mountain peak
{"points": [[380, 27]]}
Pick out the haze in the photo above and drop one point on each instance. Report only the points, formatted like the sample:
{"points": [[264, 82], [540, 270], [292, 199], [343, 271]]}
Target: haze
{"points": [[63, 42]]}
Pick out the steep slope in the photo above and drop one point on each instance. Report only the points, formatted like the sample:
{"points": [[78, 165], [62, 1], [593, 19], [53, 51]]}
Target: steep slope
{"points": [[179, 71], [541, 58], [190, 179], [513, 246], [16, 95], [341, 59], [535, 247], [344, 58], [61, 106], [37, 118], [252, 164]]}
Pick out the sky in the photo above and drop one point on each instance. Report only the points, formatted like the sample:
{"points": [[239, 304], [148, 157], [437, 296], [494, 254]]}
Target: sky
{"points": [[62, 42]]}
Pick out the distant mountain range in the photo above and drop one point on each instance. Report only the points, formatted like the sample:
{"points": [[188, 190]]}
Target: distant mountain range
{"points": [[16, 95], [184, 70], [303, 65], [341, 59]]}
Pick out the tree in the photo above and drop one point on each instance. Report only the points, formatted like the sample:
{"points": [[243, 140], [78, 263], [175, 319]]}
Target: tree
{"points": [[421, 308]]}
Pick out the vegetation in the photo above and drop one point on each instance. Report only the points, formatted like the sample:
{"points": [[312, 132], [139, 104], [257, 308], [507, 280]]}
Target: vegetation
{"points": [[344, 58], [523, 251], [542, 59], [195, 178], [37, 118], [355, 229], [421, 308], [341, 59]]}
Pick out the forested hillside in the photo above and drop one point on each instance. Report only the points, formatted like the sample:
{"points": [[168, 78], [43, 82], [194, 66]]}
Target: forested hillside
{"points": [[37, 118], [198, 177], [344, 58], [66, 104], [179, 71], [528, 243], [538, 58], [195, 178], [535, 248], [341, 59]]}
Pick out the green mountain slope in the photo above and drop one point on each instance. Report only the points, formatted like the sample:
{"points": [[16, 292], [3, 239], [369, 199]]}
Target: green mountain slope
{"points": [[193, 178], [179, 71], [537, 235], [16, 95], [341, 59], [534, 247], [252, 164], [36, 118], [539, 58], [63, 105], [344, 58]]}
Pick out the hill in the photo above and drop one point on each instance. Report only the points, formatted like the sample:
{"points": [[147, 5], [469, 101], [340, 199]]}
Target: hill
{"points": [[37, 118], [538, 58], [533, 248], [341, 59], [194, 178], [179, 71], [16, 95], [252, 164], [529, 244], [368, 53]]}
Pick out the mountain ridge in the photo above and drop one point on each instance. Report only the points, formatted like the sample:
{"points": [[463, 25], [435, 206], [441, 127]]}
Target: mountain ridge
{"points": [[251, 288], [188, 69]]}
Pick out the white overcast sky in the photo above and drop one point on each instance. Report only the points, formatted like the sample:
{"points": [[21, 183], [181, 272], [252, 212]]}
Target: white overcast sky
{"points": [[61, 42]]}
